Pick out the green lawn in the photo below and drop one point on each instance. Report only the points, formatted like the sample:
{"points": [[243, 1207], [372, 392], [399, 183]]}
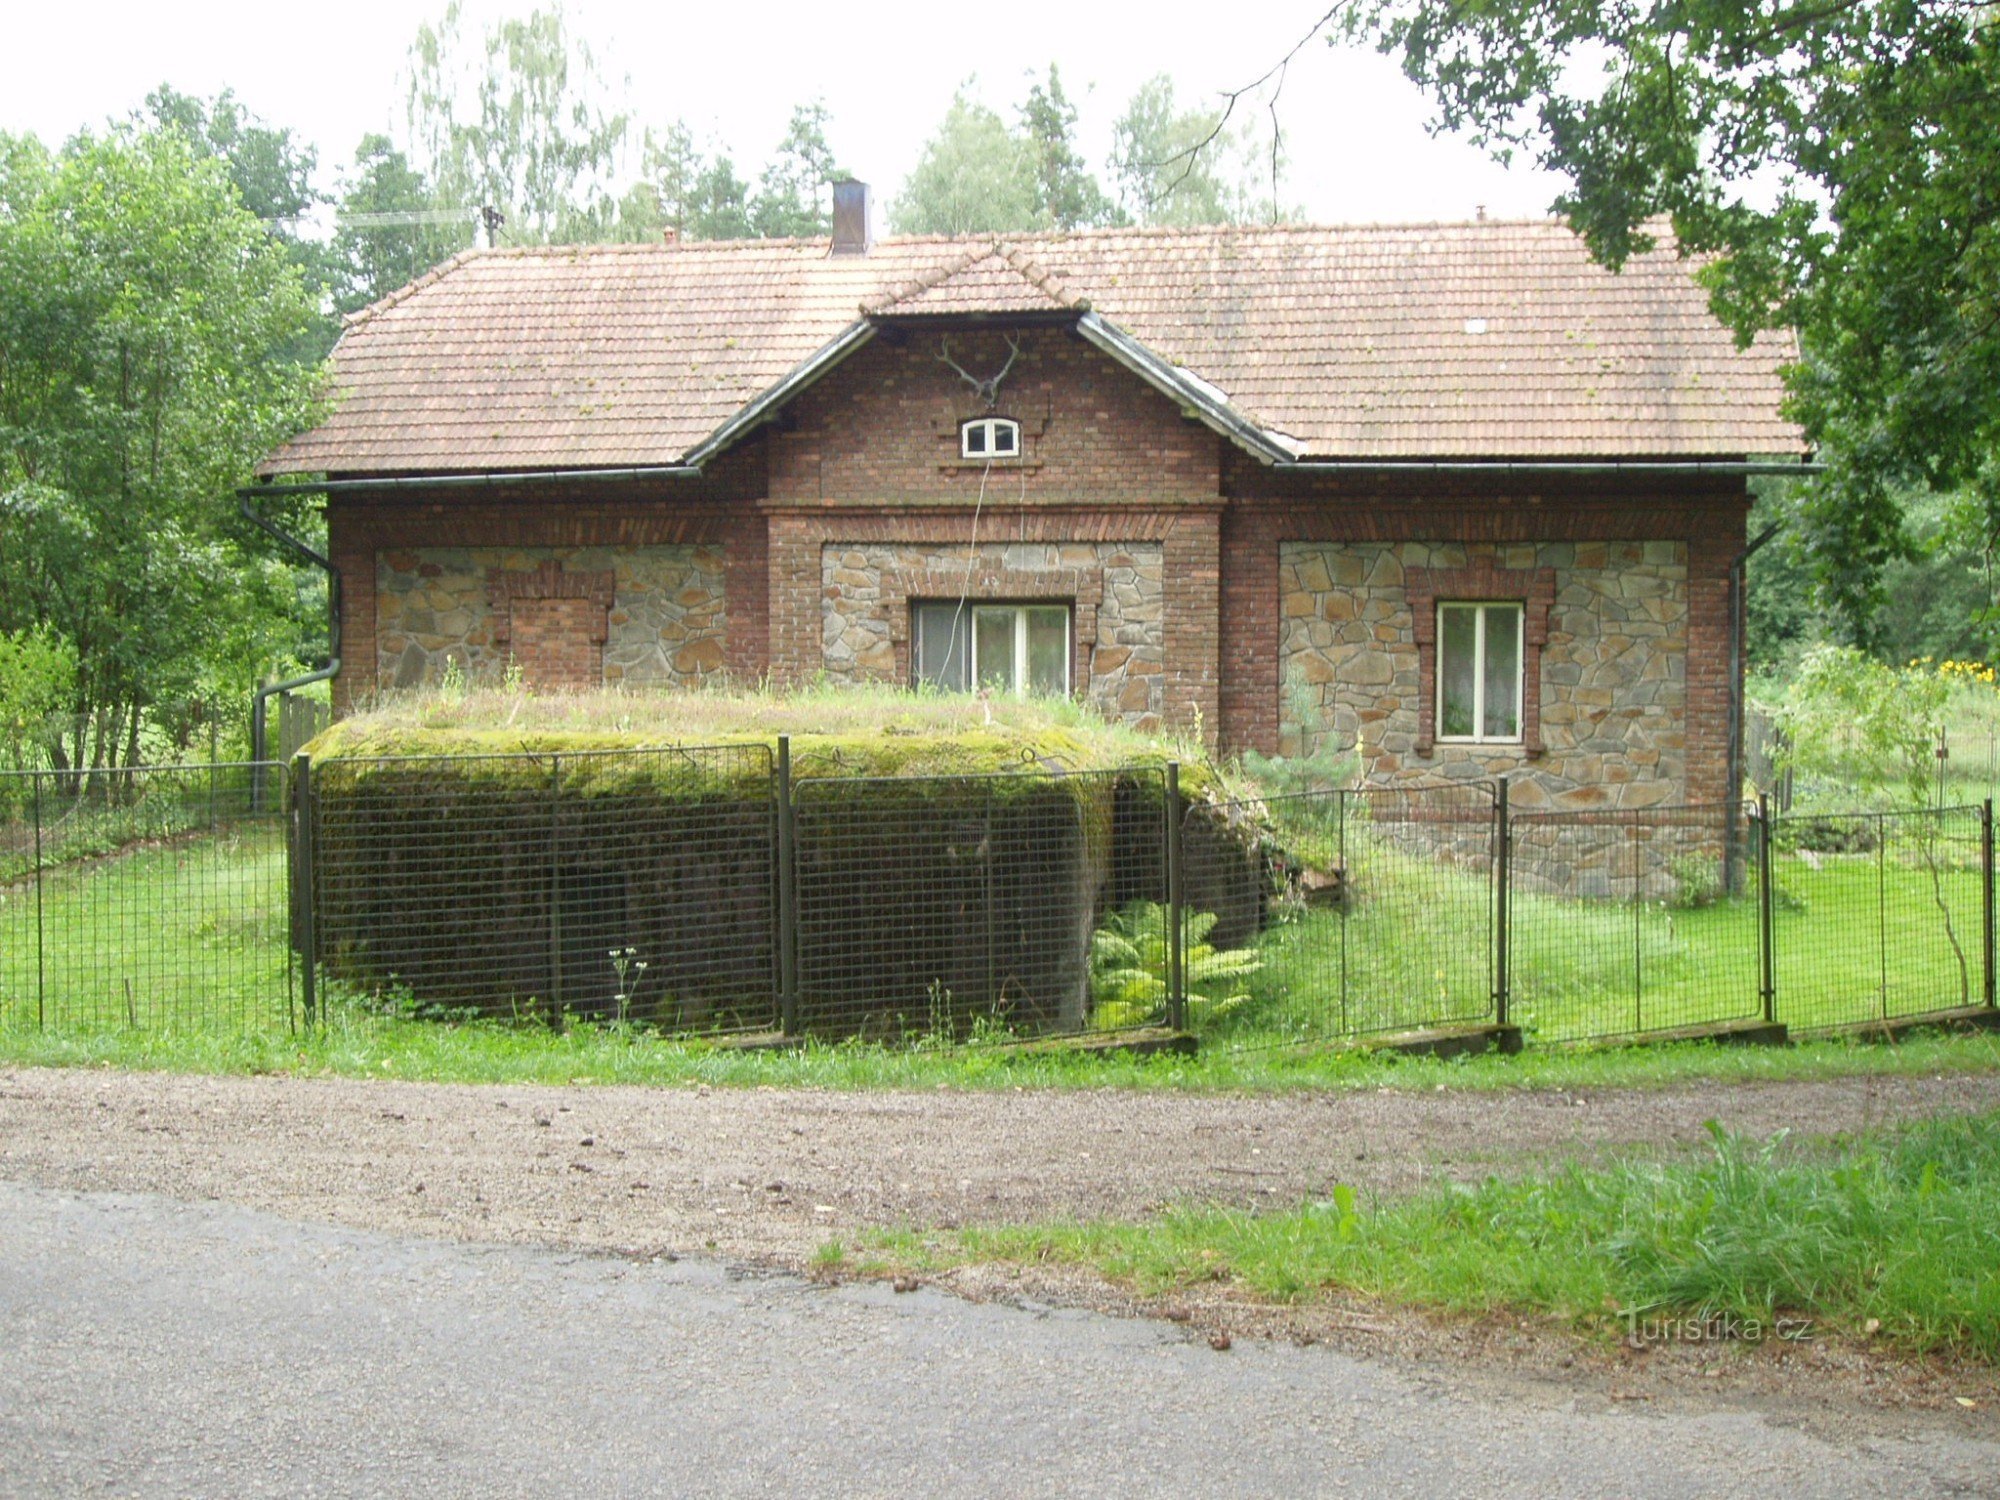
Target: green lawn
{"points": [[1857, 937], [1896, 1233], [189, 933]]}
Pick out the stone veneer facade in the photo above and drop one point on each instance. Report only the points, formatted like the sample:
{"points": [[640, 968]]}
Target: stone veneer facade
{"points": [[661, 623], [1612, 680], [1116, 591]]}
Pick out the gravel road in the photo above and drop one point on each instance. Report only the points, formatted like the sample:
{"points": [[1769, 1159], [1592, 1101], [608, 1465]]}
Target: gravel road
{"points": [[342, 1286], [768, 1175], [151, 1347]]}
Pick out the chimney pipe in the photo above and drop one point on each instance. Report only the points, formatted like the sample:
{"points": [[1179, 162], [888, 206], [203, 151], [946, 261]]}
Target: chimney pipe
{"points": [[853, 232]]}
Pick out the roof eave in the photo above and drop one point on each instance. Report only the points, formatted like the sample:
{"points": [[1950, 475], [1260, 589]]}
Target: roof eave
{"points": [[1194, 396], [766, 406]]}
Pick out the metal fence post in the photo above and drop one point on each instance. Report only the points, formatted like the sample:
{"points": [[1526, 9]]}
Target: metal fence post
{"points": [[788, 909], [303, 803], [1986, 885], [1766, 927], [555, 893], [1503, 842], [42, 947], [1176, 985]]}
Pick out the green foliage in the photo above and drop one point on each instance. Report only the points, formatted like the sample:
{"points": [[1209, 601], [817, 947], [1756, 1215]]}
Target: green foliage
{"points": [[518, 120], [376, 258], [1838, 165], [273, 172], [37, 681], [1172, 166], [1889, 1235], [1848, 716], [1066, 195], [975, 176], [147, 322], [1128, 969], [792, 199]]}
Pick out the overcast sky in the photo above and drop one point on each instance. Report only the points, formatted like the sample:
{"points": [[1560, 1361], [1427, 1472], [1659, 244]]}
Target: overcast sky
{"points": [[1354, 128]]}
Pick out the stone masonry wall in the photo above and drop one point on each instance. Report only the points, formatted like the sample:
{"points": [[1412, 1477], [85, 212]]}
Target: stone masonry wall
{"points": [[1613, 671], [666, 624], [1117, 591]]}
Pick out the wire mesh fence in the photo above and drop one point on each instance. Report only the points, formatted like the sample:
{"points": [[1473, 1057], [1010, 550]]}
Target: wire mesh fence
{"points": [[1880, 916], [985, 907], [146, 897], [714, 890], [629, 885], [1372, 911], [1623, 922]]}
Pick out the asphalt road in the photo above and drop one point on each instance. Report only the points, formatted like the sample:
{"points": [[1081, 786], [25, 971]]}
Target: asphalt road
{"points": [[156, 1347]]}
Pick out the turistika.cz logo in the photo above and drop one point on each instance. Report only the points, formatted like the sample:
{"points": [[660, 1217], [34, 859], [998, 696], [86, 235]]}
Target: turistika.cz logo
{"points": [[1714, 1328]]}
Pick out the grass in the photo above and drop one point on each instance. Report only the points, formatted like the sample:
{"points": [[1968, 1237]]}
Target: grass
{"points": [[174, 955], [1894, 1233], [181, 934], [356, 1042], [1857, 937], [851, 729]]}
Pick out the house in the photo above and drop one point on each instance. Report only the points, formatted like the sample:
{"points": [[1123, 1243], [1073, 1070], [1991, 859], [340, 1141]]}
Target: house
{"points": [[1452, 494]]}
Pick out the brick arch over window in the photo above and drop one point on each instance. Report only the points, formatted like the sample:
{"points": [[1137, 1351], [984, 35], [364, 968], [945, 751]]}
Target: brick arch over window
{"points": [[553, 624], [1534, 588]]}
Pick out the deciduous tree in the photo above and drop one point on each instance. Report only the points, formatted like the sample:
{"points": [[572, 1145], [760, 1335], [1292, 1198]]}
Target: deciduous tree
{"points": [[144, 315], [975, 176], [1838, 166]]}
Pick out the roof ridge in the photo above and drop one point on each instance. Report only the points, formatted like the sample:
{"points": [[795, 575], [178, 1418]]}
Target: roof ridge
{"points": [[937, 276], [1044, 280]]}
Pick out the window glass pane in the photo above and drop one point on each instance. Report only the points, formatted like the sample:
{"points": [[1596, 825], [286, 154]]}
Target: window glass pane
{"points": [[1456, 668], [944, 639], [1006, 437], [993, 647], [1503, 672], [1048, 650], [975, 437]]}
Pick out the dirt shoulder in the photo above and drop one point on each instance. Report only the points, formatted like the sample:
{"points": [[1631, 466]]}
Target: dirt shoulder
{"points": [[767, 1176]]}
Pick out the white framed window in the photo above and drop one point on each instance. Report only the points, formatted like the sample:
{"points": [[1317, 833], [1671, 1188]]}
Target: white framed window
{"points": [[1017, 649], [1479, 655], [989, 437]]}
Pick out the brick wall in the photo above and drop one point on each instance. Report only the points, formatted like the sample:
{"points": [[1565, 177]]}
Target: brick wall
{"points": [[884, 428], [559, 643], [869, 458]]}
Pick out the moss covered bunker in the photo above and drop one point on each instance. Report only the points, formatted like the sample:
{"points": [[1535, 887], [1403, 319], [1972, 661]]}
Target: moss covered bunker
{"points": [[937, 882]]}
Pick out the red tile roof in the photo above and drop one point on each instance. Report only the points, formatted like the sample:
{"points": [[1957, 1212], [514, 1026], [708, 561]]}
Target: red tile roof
{"points": [[1483, 340]]}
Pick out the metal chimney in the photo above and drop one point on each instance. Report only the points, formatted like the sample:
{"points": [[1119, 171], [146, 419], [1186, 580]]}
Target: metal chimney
{"points": [[853, 232]]}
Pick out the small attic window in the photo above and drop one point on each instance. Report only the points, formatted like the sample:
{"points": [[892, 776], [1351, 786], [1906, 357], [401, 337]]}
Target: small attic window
{"points": [[989, 437]]}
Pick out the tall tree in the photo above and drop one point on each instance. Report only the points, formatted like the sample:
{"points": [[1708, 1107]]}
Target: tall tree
{"points": [[391, 226], [142, 309], [975, 176], [1172, 166], [517, 121], [793, 196], [1838, 167], [274, 175], [1066, 194]]}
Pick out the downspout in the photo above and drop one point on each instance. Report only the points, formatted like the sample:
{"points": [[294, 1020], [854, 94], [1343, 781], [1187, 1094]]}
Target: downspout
{"points": [[1739, 574], [260, 700]]}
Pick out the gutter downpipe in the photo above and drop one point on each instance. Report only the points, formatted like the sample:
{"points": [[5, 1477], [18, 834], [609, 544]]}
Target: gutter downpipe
{"points": [[260, 700], [1739, 579]]}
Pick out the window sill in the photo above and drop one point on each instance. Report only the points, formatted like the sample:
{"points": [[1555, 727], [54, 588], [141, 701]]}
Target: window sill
{"points": [[1489, 747], [961, 465]]}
